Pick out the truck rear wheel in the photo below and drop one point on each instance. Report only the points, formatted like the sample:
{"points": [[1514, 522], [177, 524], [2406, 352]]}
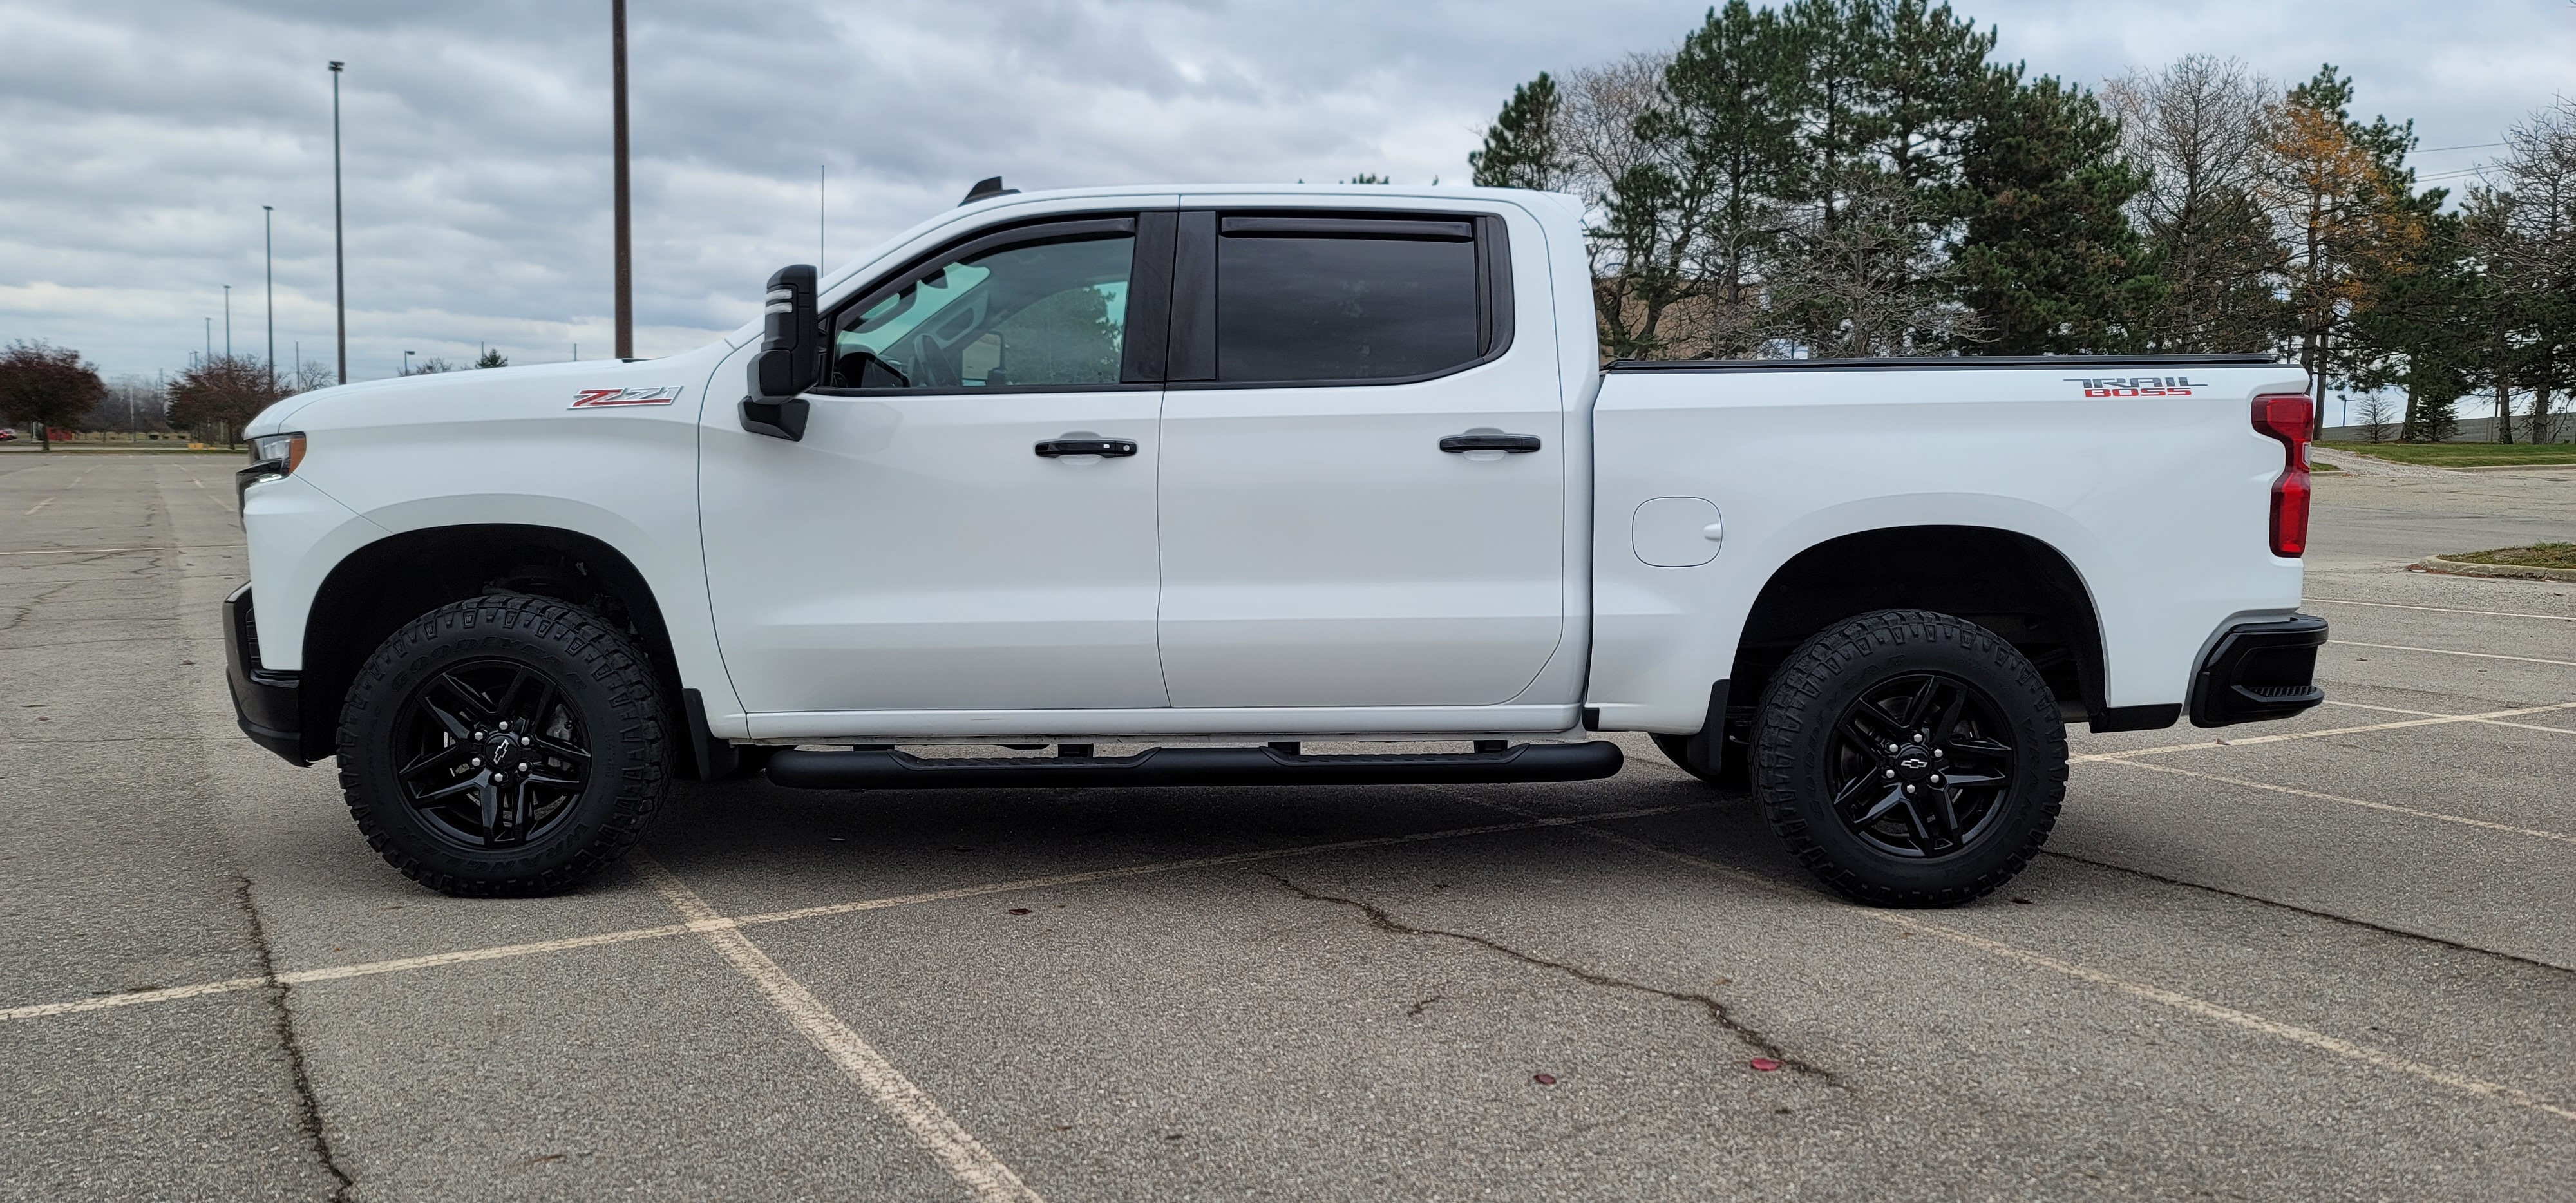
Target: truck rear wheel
{"points": [[1910, 758], [506, 745]]}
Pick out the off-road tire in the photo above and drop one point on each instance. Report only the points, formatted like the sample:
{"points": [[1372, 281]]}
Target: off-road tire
{"points": [[1793, 742], [605, 679]]}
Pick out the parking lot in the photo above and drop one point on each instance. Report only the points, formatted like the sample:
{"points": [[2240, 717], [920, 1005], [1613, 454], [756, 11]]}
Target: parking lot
{"points": [[2333, 957]]}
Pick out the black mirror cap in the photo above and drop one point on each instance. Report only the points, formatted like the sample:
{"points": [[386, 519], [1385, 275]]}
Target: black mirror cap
{"points": [[790, 359], [986, 190]]}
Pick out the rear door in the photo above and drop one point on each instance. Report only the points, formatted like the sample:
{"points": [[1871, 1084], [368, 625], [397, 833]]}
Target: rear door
{"points": [[1363, 471]]}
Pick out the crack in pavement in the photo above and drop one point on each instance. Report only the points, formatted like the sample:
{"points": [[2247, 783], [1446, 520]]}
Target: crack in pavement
{"points": [[2326, 915], [1717, 1012], [309, 1106]]}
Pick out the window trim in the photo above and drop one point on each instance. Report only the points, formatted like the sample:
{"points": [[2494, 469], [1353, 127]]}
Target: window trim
{"points": [[1193, 362], [1144, 274]]}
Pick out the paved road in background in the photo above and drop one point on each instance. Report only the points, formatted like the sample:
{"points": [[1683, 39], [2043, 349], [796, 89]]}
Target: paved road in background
{"points": [[2326, 958]]}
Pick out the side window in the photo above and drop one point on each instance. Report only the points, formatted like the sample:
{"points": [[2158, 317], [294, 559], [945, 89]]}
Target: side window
{"points": [[1029, 313], [1335, 299]]}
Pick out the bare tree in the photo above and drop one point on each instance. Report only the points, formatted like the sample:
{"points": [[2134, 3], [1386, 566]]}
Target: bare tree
{"points": [[133, 403], [2531, 249], [1854, 278], [2201, 129], [2378, 417]]}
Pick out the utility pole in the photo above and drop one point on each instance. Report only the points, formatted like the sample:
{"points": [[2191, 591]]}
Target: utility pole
{"points": [[268, 235], [228, 321], [339, 240], [625, 229], [822, 194], [210, 340]]}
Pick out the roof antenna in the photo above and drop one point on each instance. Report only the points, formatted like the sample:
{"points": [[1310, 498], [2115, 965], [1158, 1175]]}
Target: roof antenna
{"points": [[986, 190]]}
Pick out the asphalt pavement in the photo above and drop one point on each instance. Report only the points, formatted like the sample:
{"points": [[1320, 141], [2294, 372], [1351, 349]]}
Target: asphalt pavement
{"points": [[2331, 957]]}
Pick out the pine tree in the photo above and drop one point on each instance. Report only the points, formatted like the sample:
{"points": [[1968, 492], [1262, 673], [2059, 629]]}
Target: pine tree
{"points": [[1521, 147], [2048, 259]]}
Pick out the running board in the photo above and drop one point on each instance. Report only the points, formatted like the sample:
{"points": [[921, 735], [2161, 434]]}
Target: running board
{"points": [[796, 768]]}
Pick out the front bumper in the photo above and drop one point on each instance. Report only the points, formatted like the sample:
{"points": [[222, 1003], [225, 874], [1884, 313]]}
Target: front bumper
{"points": [[2259, 671], [268, 705]]}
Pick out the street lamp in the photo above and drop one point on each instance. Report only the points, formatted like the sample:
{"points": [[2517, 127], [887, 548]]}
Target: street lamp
{"points": [[228, 321], [406, 368], [268, 236], [625, 302], [339, 243]]}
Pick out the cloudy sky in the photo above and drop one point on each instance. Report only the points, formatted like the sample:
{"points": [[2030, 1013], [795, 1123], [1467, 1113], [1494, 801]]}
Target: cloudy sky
{"points": [[139, 138]]}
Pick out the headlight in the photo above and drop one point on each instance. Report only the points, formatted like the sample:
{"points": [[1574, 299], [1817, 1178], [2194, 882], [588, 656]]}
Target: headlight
{"points": [[272, 457]]}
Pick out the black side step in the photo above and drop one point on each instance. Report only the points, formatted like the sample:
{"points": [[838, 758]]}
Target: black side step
{"points": [[799, 769]]}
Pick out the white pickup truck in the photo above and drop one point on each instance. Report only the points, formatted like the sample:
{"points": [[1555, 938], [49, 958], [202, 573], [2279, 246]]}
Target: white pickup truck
{"points": [[1222, 471]]}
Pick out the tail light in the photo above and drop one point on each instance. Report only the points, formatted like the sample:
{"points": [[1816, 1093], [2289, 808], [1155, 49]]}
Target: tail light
{"points": [[2287, 417]]}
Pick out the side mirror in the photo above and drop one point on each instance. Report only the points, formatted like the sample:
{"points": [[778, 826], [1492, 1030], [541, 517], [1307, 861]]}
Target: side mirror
{"points": [[790, 358]]}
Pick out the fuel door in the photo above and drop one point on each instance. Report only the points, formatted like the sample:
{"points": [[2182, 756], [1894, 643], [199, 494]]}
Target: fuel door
{"points": [[1676, 532]]}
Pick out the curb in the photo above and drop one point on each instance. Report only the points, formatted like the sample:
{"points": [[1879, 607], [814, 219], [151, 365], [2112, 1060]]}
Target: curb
{"points": [[2515, 571]]}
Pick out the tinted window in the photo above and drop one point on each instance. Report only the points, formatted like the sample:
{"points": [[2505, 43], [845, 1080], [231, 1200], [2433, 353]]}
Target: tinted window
{"points": [[1050, 313], [1320, 308]]}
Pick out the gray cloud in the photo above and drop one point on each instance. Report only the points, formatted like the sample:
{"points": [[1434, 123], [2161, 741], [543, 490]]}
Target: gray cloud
{"points": [[140, 137]]}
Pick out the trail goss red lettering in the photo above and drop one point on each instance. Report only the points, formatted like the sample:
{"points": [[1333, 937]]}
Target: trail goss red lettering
{"points": [[2135, 386]]}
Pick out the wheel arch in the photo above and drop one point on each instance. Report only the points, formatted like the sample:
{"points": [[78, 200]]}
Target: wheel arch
{"points": [[379, 587], [2013, 583]]}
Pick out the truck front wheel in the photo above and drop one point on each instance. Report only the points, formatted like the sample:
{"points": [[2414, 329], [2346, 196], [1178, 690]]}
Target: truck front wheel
{"points": [[1910, 758], [505, 745]]}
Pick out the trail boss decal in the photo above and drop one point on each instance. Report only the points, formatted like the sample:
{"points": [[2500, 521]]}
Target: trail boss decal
{"points": [[2135, 386], [604, 398]]}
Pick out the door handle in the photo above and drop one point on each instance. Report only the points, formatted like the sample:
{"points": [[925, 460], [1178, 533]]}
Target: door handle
{"points": [[1517, 444], [1105, 448]]}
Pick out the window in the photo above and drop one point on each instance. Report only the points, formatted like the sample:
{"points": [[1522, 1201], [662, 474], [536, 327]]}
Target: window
{"points": [[1333, 299], [1027, 314]]}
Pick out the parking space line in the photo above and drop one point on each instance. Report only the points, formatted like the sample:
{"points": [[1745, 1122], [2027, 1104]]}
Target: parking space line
{"points": [[964, 1157], [2250, 740], [2444, 609], [2189, 1004], [2391, 807], [100, 551], [2399, 647], [40, 505], [2436, 714], [331, 973]]}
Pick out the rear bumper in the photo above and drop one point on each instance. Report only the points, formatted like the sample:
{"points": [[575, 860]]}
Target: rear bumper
{"points": [[2259, 671], [268, 705]]}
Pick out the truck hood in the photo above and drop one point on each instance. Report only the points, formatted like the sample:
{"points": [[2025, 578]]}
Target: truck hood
{"points": [[485, 392]]}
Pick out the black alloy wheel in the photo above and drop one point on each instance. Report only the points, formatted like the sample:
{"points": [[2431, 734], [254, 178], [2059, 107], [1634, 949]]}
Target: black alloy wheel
{"points": [[1910, 758], [492, 755], [1921, 762], [505, 745]]}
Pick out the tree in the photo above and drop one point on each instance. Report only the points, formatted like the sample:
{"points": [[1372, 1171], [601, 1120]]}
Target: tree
{"points": [[2198, 131], [2529, 241], [434, 364], [1853, 274], [132, 403], [2343, 201], [2048, 259], [1521, 147], [220, 396], [46, 386], [2377, 418], [492, 358]]}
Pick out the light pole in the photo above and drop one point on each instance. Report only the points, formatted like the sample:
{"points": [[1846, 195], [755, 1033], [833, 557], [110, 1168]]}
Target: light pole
{"points": [[625, 229], [268, 236], [228, 321], [406, 368], [210, 341], [339, 241]]}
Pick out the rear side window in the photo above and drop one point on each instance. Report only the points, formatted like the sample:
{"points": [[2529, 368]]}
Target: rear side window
{"points": [[1340, 299]]}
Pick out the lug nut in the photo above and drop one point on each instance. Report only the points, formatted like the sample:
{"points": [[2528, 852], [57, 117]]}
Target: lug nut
{"points": [[1909, 789], [1938, 754], [523, 767], [478, 735], [1890, 774], [478, 762], [524, 740], [1936, 777]]}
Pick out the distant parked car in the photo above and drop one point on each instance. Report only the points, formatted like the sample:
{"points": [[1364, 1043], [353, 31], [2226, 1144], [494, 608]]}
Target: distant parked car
{"points": [[8, 435]]}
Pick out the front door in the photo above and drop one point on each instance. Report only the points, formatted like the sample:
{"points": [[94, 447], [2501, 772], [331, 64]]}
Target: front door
{"points": [[969, 521], [1363, 472]]}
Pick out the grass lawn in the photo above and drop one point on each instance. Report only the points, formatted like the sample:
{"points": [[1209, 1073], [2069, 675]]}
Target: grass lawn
{"points": [[2538, 555], [2463, 455]]}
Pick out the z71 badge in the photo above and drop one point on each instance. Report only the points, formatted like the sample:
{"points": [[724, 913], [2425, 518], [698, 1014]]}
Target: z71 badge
{"points": [[603, 398]]}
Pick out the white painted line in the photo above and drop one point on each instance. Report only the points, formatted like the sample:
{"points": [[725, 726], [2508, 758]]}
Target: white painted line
{"points": [[2394, 647], [2432, 714], [2392, 808], [2304, 1037], [502, 952], [2249, 740], [2337, 601], [40, 505], [966, 1159]]}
